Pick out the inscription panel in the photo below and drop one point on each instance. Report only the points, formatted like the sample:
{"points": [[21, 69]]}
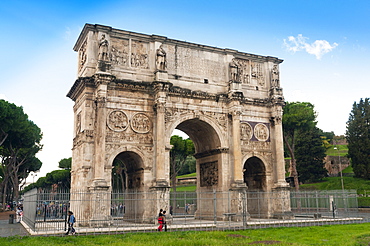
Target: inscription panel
{"points": [[196, 63]]}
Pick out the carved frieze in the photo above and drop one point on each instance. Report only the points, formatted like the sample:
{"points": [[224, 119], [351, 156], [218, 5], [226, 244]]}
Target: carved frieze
{"points": [[117, 121], [208, 174], [120, 52], [139, 54], [261, 132], [82, 56], [221, 118], [141, 123], [246, 131], [172, 114], [240, 71], [129, 137], [254, 131], [247, 146], [257, 74]]}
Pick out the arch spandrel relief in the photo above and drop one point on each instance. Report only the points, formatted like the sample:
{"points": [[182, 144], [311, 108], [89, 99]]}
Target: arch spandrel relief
{"points": [[140, 123], [246, 131], [117, 121], [261, 132]]}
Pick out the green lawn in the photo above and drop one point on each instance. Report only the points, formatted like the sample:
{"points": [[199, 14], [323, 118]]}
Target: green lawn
{"points": [[334, 183], [343, 150], [186, 188], [187, 175], [343, 235]]}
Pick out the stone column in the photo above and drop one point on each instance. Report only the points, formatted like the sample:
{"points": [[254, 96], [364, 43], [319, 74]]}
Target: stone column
{"points": [[160, 143], [237, 181], [281, 194], [279, 166], [99, 191], [101, 82], [237, 152]]}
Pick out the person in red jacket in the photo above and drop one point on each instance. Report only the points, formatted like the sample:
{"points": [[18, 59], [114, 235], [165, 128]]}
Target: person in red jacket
{"points": [[160, 220]]}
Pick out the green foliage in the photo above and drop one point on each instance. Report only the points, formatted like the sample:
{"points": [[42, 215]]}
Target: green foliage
{"points": [[181, 157], [190, 188], [310, 154], [344, 235], [329, 136], [358, 138], [297, 117], [65, 163], [61, 178], [19, 143], [334, 183], [187, 175]]}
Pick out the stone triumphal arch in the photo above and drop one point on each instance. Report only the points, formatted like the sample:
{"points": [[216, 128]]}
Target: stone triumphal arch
{"points": [[134, 89]]}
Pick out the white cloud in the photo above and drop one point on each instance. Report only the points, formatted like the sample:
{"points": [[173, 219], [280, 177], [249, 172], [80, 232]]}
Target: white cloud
{"points": [[317, 48]]}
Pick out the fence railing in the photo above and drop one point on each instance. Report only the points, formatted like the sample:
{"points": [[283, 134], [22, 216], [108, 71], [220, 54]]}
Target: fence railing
{"points": [[46, 212]]}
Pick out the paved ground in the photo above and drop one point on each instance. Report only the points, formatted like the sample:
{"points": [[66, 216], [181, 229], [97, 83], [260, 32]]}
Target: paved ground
{"points": [[7, 229]]}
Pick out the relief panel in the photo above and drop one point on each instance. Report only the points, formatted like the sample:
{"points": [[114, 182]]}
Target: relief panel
{"points": [[209, 174]]}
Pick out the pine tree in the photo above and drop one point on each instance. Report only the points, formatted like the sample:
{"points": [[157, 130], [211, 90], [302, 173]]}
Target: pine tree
{"points": [[358, 138], [310, 154]]}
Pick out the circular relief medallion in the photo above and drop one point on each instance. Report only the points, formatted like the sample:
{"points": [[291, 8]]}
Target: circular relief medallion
{"points": [[261, 132], [140, 123], [246, 131], [117, 121]]}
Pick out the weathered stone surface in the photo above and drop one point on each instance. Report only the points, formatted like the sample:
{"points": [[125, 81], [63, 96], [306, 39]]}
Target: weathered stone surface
{"points": [[134, 89]]}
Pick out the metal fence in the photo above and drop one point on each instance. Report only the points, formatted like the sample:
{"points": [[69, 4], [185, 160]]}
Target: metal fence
{"points": [[46, 212]]}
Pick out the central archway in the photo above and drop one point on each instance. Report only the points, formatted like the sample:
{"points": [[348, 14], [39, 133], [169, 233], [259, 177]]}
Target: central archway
{"points": [[209, 163]]}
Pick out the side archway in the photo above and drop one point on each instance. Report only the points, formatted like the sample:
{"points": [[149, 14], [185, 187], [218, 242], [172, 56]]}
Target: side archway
{"points": [[254, 174], [128, 173]]}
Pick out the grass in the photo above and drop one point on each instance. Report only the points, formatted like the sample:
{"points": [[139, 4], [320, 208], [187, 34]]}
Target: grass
{"points": [[344, 235], [187, 175], [343, 150], [186, 188], [334, 183]]}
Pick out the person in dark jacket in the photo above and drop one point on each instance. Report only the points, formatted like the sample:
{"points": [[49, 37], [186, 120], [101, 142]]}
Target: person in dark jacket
{"points": [[71, 220]]}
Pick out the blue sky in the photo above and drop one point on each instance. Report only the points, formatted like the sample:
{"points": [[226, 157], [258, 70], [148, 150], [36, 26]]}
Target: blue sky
{"points": [[324, 44]]}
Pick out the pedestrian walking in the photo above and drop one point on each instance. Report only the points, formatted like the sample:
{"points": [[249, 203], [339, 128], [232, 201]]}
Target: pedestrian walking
{"points": [[164, 221], [160, 220], [71, 220]]}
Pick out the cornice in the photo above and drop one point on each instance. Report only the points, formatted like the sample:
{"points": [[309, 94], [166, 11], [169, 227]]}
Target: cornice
{"points": [[157, 38]]}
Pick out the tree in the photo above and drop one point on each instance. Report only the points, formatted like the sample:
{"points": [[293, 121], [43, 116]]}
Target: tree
{"points": [[65, 163], [327, 138], [181, 150], [297, 116], [310, 154], [358, 138], [20, 141]]}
